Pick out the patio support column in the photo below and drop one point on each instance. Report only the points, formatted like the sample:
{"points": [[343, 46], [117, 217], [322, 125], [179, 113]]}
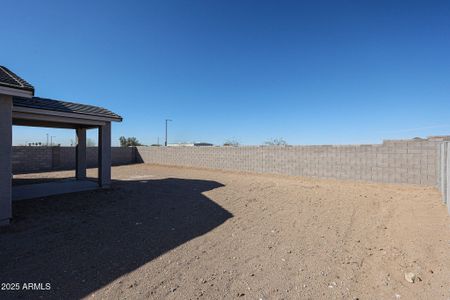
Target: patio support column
{"points": [[81, 154], [104, 155], [5, 159]]}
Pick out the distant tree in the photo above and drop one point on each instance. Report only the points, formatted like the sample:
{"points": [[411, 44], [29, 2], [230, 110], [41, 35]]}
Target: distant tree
{"points": [[90, 143], [123, 141], [132, 141], [231, 143], [129, 142], [276, 142]]}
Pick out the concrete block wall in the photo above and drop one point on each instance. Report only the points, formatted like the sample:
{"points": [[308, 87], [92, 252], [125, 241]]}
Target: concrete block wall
{"points": [[31, 159], [444, 178], [423, 162], [41, 159], [414, 162]]}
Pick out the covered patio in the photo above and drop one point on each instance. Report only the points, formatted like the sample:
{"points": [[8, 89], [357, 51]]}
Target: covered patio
{"points": [[19, 106]]}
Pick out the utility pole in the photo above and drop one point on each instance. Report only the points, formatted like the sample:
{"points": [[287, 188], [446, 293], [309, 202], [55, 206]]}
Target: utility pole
{"points": [[167, 120], [47, 139], [51, 140]]}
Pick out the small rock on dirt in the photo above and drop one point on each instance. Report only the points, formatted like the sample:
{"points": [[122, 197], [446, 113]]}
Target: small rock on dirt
{"points": [[332, 285], [410, 277]]}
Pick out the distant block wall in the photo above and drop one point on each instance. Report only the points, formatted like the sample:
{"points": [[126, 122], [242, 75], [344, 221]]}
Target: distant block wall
{"points": [[31, 159], [415, 162], [41, 159]]}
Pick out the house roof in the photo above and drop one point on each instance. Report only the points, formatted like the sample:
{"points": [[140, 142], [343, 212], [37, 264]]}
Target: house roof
{"points": [[11, 80], [65, 107]]}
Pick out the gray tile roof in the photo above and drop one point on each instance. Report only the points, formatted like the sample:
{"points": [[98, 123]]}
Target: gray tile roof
{"points": [[66, 107], [11, 80]]}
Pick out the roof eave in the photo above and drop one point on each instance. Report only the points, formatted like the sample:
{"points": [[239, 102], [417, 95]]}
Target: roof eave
{"points": [[119, 119], [39, 111], [15, 92]]}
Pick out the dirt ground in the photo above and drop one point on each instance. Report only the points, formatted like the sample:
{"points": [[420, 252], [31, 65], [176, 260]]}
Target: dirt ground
{"points": [[179, 233]]}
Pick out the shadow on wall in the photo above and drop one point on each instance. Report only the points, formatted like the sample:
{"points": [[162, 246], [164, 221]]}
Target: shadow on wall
{"points": [[81, 242], [138, 156]]}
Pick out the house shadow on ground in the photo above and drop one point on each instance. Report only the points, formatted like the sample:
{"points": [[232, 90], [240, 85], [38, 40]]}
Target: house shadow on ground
{"points": [[81, 242]]}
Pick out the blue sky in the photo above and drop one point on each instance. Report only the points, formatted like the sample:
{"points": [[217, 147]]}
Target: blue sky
{"points": [[311, 72]]}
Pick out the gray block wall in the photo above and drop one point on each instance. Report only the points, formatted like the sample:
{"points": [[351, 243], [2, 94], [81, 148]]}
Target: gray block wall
{"points": [[414, 162], [444, 178], [41, 159], [424, 162]]}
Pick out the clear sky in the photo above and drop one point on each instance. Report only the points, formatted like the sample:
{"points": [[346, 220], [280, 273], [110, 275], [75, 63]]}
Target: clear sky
{"points": [[311, 72]]}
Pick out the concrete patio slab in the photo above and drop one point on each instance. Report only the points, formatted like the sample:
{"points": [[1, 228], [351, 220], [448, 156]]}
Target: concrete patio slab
{"points": [[30, 191]]}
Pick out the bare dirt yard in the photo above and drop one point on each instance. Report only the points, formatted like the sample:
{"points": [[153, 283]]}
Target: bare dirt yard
{"points": [[179, 233]]}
